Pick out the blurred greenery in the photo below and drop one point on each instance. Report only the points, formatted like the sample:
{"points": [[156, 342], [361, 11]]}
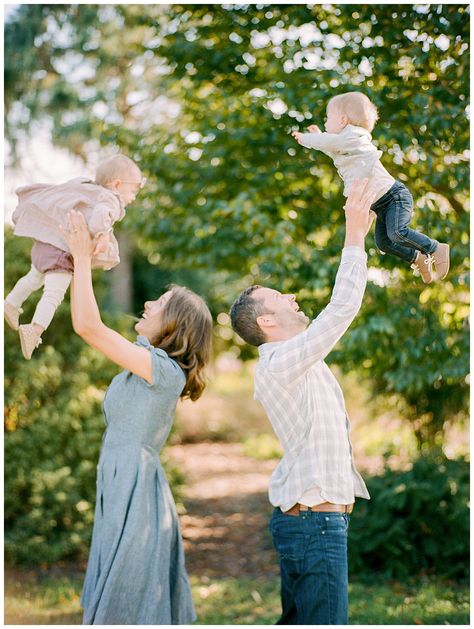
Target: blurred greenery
{"points": [[204, 98], [417, 521], [263, 447], [55, 600]]}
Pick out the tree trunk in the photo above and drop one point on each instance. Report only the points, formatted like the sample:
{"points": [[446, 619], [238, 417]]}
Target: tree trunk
{"points": [[121, 279]]}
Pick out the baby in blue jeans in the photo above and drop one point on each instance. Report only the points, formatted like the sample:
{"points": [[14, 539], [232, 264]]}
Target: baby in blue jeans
{"points": [[348, 142]]}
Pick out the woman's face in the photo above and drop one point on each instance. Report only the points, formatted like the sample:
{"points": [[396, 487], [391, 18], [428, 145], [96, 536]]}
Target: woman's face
{"points": [[151, 319]]}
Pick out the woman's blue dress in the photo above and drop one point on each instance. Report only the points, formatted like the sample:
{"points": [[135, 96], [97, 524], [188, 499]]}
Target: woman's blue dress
{"points": [[136, 573]]}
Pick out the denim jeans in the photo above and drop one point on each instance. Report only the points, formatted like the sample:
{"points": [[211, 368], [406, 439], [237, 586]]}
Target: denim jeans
{"points": [[392, 235], [313, 564]]}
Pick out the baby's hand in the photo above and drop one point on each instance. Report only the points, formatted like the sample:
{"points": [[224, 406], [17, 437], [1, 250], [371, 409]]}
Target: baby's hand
{"points": [[297, 135], [102, 244], [314, 128]]}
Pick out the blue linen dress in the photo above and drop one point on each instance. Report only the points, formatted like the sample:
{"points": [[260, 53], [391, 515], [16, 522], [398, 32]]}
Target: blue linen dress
{"points": [[136, 573]]}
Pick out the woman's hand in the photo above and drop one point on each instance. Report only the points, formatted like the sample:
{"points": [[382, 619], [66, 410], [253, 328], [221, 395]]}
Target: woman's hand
{"points": [[77, 236]]}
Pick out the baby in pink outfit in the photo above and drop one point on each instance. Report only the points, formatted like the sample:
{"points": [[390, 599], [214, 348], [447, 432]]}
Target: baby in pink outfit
{"points": [[41, 212]]}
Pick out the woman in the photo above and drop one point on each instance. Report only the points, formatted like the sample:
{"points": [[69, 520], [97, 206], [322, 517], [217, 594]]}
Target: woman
{"points": [[136, 573]]}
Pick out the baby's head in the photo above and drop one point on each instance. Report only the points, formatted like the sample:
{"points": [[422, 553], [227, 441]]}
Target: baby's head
{"points": [[350, 108], [119, 174]]}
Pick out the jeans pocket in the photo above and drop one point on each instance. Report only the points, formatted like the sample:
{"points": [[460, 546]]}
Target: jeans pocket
{"points": [[336, 523], [290, 545]]}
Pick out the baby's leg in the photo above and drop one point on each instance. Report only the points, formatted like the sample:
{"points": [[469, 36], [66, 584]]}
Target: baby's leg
{"points": [[398, 217], [55, 287], [25, 286], [386, 245]]}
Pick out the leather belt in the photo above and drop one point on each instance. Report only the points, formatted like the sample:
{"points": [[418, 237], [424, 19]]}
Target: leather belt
{"points": [[324, 507]]}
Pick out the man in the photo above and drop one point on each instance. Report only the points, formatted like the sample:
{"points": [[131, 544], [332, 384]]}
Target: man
{"points": [[315, 484]]}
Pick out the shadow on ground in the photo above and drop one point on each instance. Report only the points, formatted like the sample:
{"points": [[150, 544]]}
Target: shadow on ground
{"points": [[225, 527]]}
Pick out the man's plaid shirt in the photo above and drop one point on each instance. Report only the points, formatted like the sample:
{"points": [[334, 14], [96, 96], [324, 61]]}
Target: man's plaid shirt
{"points": [[305, 404]]}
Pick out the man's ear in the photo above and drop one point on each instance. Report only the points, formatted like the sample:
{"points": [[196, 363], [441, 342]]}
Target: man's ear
{"points": [[266, 321], [344, 119]]}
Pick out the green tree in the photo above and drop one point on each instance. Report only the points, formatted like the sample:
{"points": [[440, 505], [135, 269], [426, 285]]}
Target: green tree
{"points": [[205, 96]]}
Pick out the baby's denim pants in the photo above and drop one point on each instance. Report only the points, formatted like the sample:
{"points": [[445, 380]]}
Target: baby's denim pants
{"points": [[392, 235]]}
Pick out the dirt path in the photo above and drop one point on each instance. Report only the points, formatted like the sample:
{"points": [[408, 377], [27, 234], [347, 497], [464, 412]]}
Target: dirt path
{"points": [[225, 529]]}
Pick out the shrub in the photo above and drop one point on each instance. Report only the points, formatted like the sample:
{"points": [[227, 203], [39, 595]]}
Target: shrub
{"points": [[417, 521]]}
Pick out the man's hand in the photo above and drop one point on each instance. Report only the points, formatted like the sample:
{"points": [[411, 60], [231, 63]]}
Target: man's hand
{"points": [[359, 217], [314, 128]]}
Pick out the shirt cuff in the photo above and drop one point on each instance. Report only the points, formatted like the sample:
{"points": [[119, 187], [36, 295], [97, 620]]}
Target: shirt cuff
{"points": [[308, 140], [353, 252]]}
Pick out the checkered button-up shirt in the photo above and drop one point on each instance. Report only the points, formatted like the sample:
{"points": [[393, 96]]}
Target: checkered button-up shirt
{"points": [[305, 404]]}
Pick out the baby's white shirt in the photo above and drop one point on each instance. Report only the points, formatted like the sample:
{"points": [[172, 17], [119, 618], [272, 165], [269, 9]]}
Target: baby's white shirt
{"points": [[354, 156]]}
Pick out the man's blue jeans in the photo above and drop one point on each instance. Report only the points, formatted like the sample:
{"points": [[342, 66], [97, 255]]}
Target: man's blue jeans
{"points": [[313, 563]]}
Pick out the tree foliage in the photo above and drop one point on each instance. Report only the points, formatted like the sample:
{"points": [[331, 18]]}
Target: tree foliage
{"points": [[204, 97]]}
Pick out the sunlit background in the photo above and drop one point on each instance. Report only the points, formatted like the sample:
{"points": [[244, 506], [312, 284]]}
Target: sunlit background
{"points": [[204, 98]]}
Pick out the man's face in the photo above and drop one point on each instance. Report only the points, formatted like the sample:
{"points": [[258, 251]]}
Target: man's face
{"points": [[281, 310]]}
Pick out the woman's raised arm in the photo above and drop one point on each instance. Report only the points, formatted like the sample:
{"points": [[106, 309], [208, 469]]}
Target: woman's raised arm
{"points": [[86, 319]]}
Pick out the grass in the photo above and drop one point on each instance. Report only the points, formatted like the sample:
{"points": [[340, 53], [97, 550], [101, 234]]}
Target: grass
{"points": [[31, 600], [425, 603], [236, 601], [47, 600]]}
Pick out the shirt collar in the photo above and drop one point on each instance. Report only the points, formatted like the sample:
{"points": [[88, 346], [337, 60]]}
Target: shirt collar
{"points": [[352, 128], [266, 348]]}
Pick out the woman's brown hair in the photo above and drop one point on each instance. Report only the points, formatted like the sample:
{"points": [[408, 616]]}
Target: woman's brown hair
{"points": [[186, 336]]}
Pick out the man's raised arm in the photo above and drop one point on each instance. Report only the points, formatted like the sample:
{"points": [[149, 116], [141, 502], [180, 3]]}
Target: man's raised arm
{"points": [[290, 359]]}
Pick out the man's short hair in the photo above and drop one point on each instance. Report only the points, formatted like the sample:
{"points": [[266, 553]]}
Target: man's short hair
{"points": [[243, 316]]}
